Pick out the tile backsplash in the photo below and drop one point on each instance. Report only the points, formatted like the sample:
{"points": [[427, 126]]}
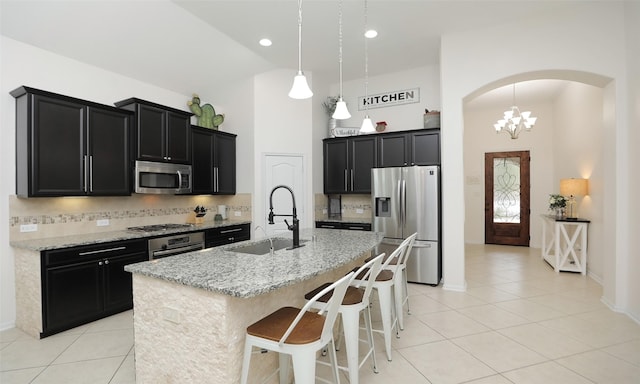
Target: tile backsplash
{"points": [[352, 206], [62, 216]]}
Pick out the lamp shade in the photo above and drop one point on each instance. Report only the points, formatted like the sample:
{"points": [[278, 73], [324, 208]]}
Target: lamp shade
{"points": [[341, 111], [574, 187], [300, 88], [367, 125]]}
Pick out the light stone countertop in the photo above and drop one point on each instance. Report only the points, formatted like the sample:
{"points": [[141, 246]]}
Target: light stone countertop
{"points": [[49, 243], [244, 275]]}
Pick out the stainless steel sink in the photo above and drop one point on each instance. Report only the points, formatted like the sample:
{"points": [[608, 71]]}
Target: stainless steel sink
{"points": [[263, 247]]}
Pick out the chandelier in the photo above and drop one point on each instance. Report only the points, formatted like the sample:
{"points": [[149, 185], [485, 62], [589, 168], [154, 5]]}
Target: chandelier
{"points": [[514, 121]]}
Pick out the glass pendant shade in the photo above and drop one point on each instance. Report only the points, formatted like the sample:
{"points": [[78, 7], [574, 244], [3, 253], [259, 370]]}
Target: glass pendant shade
{"points": [[300, 88], [341, 111], [367, 125]]}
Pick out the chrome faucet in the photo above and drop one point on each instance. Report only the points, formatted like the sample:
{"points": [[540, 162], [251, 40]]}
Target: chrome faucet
{"points": [[267, 236], [295, 227]]}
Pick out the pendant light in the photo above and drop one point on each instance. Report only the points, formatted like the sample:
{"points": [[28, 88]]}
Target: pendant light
{"points": [[367, 124], [341, 111], [300, 88]]}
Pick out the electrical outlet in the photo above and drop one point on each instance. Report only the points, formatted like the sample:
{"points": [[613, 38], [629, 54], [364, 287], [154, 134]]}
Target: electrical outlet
{"points": [[324, 211], [29, 228], [102, 222], [237, 213], [359, 210]]}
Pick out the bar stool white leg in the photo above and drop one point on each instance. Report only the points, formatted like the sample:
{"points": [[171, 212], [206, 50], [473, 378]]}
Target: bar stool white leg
{"points": [[351, 327], [369, 326], [384, 296], [304, 366], [284, 364]]}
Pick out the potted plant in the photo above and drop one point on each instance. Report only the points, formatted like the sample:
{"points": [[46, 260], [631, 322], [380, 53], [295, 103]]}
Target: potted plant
{"points": [[557, 204], [330, 107]]}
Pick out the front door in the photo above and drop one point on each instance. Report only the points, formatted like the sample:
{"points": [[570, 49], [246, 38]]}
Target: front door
{"points": [[506, 208]]}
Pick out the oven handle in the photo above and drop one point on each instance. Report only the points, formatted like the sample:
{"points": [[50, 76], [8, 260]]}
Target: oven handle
{"points": [[176, 251]]}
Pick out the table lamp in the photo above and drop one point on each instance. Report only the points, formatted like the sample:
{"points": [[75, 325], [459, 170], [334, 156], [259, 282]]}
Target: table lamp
{"points": [[572, 188]]}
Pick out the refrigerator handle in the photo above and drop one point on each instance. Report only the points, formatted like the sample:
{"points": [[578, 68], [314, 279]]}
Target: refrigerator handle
{"points": [[400, 205], [404, 203]]}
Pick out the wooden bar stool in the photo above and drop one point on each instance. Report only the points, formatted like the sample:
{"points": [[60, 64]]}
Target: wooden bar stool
{"points": [[299, 334], [355, 302]]}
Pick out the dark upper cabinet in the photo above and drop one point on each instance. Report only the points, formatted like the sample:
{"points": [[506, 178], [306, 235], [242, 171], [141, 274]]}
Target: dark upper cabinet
{"points": [[213, 162], [393, 150], [420, 147], [161, 133], [425, 147], [348, 163], [70, 147]]}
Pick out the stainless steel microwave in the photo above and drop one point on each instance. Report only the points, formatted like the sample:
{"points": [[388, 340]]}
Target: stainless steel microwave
{"points": [[162, 178]]}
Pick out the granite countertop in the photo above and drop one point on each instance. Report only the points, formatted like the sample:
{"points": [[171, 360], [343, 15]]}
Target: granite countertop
{"points": [[105, 237], [243, 275]]}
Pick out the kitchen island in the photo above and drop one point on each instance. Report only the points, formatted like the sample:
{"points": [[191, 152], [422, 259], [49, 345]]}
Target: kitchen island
{"points": [[191, 311]]}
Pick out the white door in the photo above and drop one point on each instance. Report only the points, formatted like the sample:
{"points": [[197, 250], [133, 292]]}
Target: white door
{"points": [[283, 170]]}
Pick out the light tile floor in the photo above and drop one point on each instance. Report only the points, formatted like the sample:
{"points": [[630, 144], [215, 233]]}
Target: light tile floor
{"points": [[518, 322]]}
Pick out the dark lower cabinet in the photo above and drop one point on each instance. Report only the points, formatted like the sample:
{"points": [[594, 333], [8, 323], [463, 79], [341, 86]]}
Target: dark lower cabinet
{"points": [[83, 284], [343, 225], [226, 235]]}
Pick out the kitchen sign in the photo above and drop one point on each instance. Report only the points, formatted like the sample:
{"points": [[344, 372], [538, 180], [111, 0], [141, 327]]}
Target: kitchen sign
{"points": [[389, 99]]}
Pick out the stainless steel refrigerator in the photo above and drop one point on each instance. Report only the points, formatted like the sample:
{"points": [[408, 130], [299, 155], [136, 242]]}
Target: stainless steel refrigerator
{"points": [[406, 200]]}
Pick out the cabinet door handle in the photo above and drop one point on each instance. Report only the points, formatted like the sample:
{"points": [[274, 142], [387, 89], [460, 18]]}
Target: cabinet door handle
{"points": [[352, 179], [216, 183], [100, 263], [101, 251], [345, 180], [231, 230], [106, 262], [85, 173], [91, 173]]}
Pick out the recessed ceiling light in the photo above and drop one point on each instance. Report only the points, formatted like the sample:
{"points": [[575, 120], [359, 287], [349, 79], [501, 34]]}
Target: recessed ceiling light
{"points": [[265, 42], [370, 34]]}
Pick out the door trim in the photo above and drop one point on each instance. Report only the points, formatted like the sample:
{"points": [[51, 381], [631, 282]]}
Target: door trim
{"points": [[508, 233]]}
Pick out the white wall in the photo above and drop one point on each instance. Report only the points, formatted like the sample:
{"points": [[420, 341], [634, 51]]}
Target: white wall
{"points": [[480, 138], [562, 40], [26, 65], [578, 152], [237, 104], [400, 117], [282, 126], [632, 24]]}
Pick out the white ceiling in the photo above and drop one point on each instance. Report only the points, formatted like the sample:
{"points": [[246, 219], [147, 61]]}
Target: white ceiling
{"points": [[185, 45]]}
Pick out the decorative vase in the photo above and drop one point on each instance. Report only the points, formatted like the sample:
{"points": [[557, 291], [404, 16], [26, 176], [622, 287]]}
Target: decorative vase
{"points": [[559, 213], [333, 124]]}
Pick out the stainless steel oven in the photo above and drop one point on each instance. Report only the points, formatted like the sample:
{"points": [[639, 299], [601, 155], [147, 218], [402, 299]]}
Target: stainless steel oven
{"points": [[175, 244]]}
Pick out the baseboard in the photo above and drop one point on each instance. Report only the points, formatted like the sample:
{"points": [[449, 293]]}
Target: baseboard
{"points": [[614, 308], [8, 325], [455, 287]]}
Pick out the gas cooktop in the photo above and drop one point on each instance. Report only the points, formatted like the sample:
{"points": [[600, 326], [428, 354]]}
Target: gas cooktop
{"points": [[158, 227]]}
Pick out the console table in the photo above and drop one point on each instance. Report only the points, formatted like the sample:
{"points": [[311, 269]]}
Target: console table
{"points": [[564, 243]]}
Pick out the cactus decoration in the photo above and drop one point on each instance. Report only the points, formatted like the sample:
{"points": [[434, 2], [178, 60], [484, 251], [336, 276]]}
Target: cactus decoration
{"points": [[205, 114]]}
